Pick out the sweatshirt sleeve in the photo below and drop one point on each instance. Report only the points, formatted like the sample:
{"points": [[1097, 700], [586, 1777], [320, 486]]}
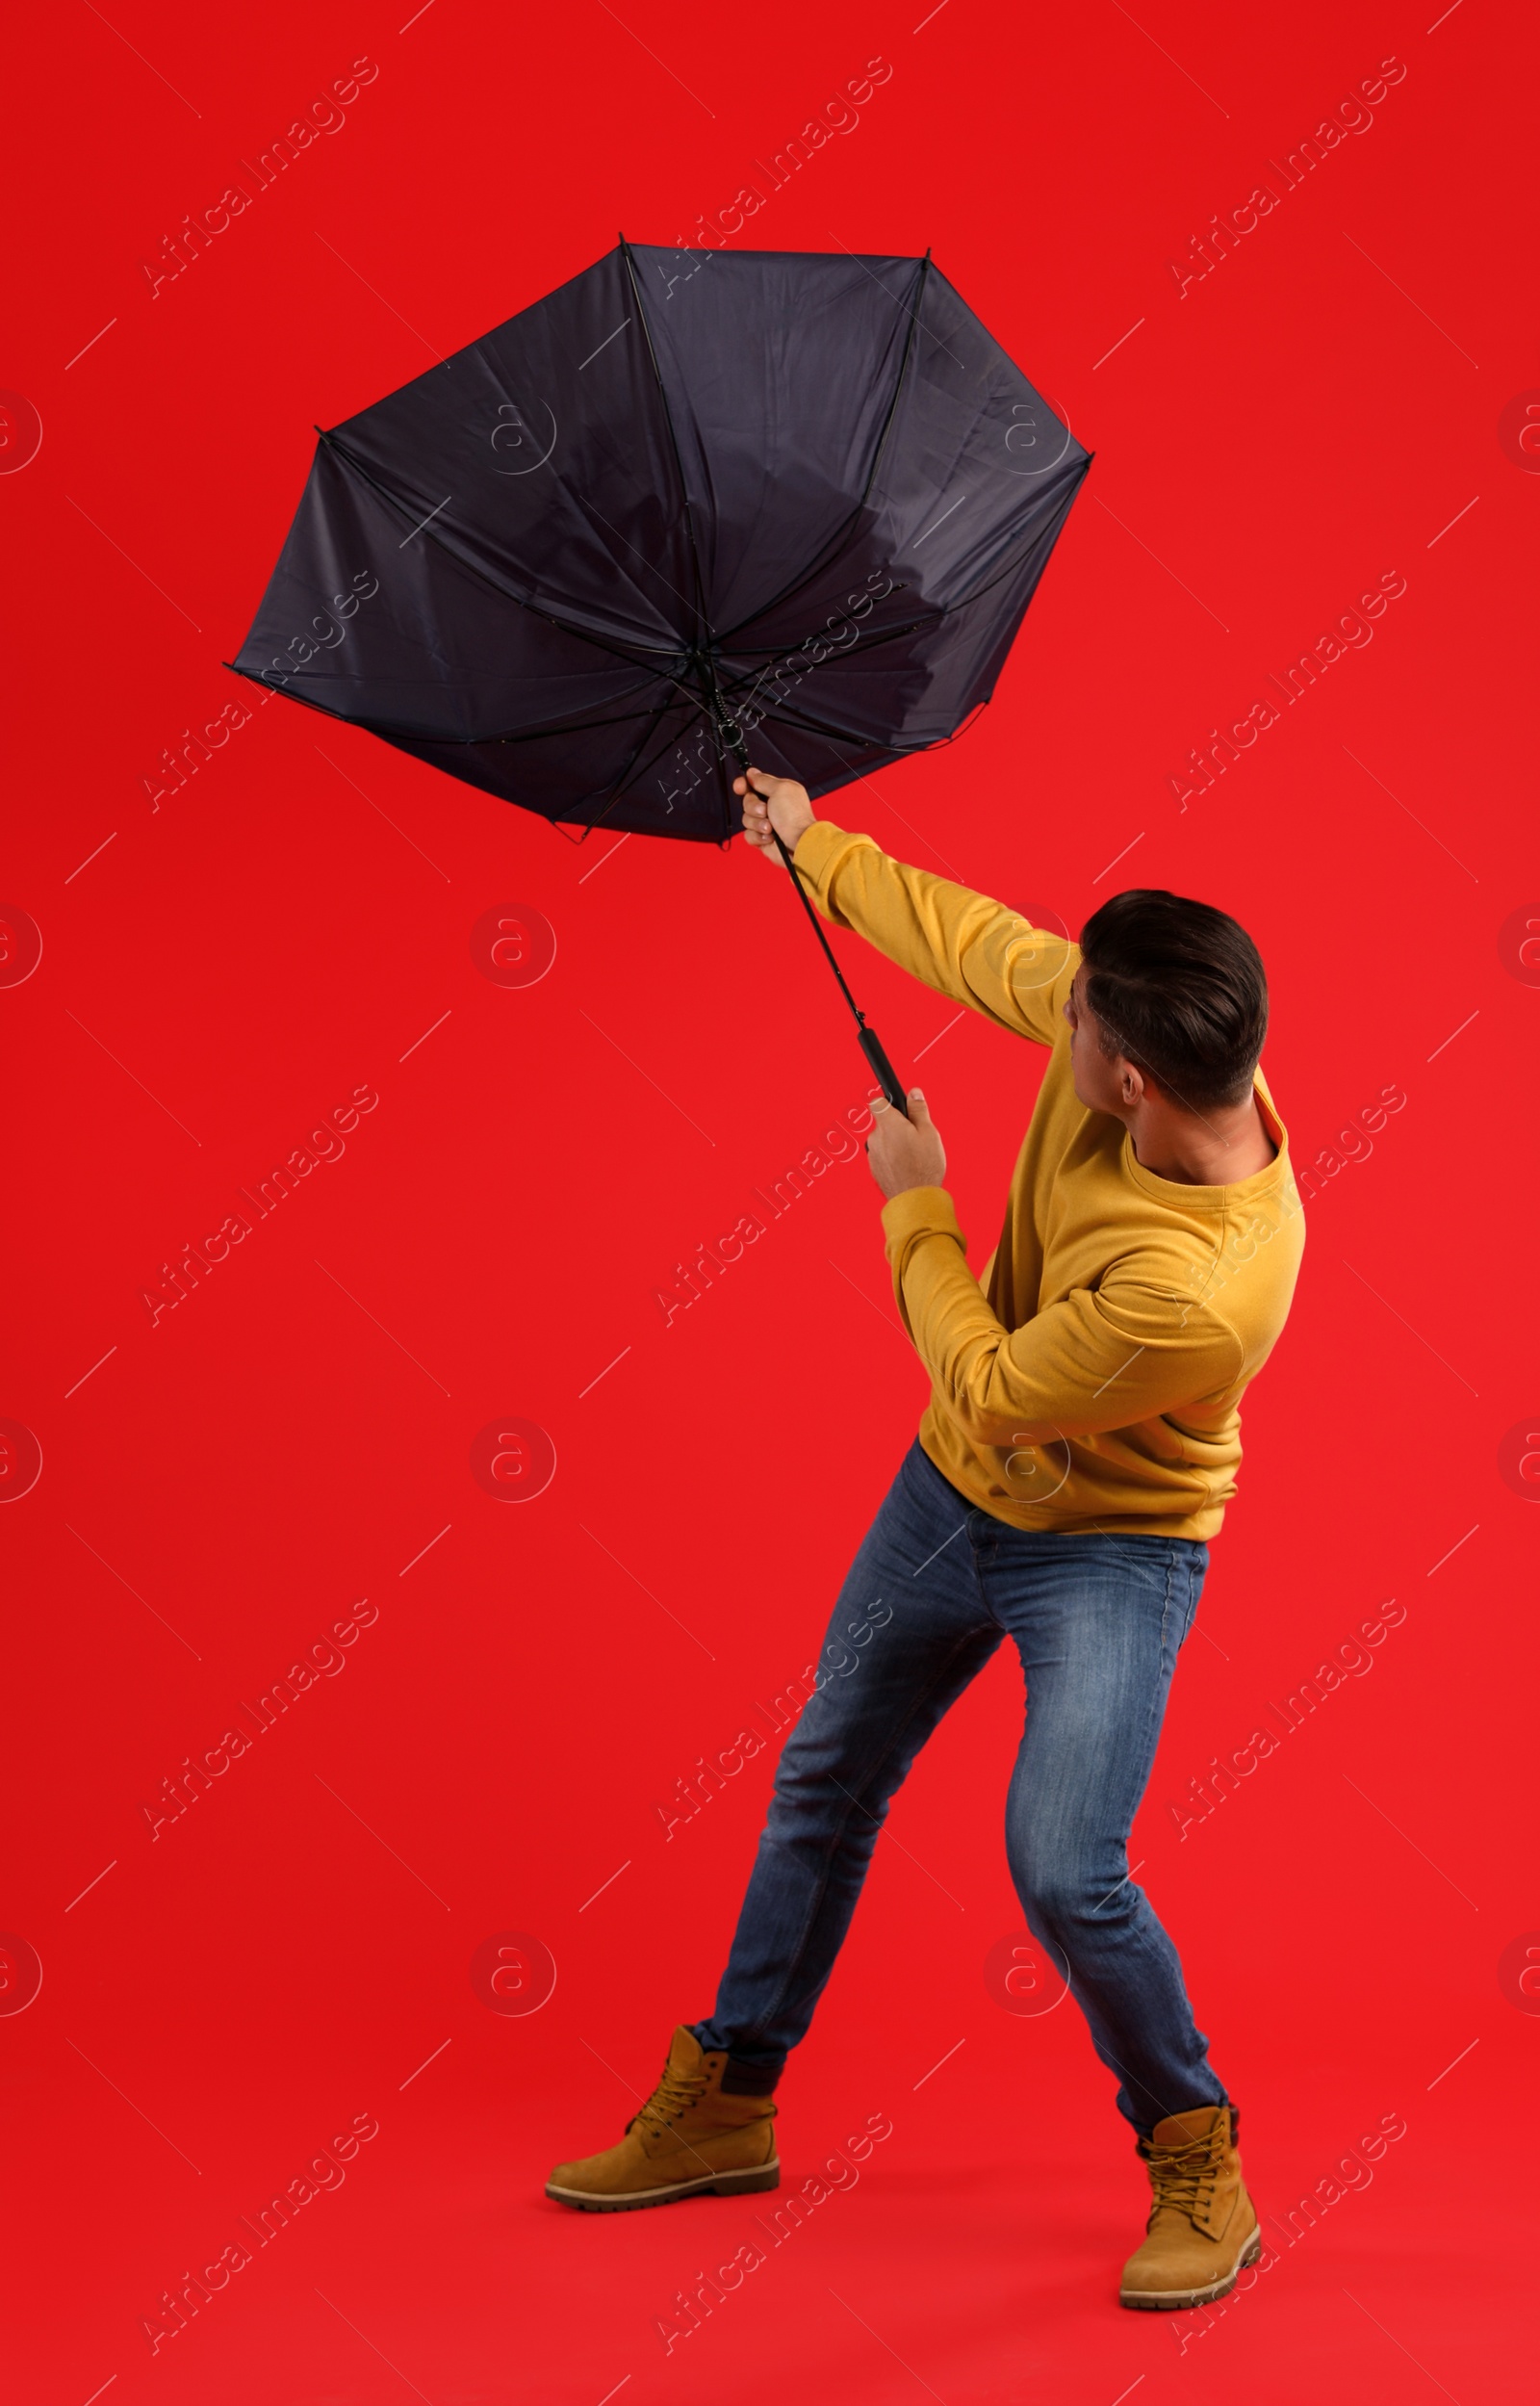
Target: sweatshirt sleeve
{"points": [[974, 950], [1103, 1360]]}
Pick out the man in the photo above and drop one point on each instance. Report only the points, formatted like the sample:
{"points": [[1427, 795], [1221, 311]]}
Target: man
{"points": [[1079, 1449]]}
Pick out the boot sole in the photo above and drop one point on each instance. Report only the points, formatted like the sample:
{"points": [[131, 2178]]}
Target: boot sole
{"points": [[714, 2184], [1172, 2301]]}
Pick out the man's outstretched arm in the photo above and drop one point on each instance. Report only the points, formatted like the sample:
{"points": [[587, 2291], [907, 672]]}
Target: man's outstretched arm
{"points": [[974, 950]]}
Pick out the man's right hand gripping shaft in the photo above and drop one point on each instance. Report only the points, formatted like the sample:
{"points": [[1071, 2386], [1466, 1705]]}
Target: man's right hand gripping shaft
{"points": [[773, 802]]}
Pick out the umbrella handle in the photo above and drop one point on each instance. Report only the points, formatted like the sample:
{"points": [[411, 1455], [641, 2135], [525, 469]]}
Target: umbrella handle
{"points": [[882, 1067]]}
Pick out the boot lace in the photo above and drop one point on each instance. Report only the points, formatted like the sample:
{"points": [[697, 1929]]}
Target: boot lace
{"points": [[675, 2091], [1185, 2177]]}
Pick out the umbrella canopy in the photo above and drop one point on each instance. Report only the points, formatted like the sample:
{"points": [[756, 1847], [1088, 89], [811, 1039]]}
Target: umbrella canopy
{"points": [[688, 501]]}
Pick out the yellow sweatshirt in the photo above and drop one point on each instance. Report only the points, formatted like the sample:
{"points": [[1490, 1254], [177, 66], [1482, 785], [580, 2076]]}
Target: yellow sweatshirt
{"points": [[1094, 1381]]}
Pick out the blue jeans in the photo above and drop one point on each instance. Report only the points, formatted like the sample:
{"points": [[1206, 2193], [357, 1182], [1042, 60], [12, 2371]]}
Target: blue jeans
{"points": [[1097, 1619]]}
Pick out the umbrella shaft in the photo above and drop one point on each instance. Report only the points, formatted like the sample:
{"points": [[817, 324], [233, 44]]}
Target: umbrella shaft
{"points": [[877, 1059], [818, 929]]}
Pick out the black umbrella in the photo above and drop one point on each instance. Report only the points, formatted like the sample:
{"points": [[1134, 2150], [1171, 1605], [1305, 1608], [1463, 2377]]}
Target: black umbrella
{"points": [[677, 505]]}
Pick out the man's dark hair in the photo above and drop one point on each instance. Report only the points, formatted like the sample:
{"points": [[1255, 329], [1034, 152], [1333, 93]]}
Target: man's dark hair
{"points": [[1178, 989]]}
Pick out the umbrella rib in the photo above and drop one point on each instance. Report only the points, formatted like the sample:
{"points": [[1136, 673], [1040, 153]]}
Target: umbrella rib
{"points": [[888, 635], [897, 747], [390, 735], [573, 726], [943, 611], [569, 725], [784, 659], [816, 727], [832, 549], [391, 731], [808, 725], [468, 567], [561, 625], [289, 694], [630, 773], [949, 609], [589, 824], [631, 769], [703, 622]]}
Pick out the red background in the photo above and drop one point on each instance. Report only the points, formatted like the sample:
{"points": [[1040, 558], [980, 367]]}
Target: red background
{"points": [[1320, 410]]}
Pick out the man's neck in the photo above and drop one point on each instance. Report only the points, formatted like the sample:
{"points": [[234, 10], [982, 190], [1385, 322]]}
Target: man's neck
{"points": [[1202, 1148]]}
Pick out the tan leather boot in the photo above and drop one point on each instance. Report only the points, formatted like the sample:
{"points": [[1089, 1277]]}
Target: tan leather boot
{"points": [[687, 2139], [1202, 2226]]}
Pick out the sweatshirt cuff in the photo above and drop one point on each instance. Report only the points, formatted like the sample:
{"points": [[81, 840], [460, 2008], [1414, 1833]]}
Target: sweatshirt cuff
{"points": [[921, 1211]]}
